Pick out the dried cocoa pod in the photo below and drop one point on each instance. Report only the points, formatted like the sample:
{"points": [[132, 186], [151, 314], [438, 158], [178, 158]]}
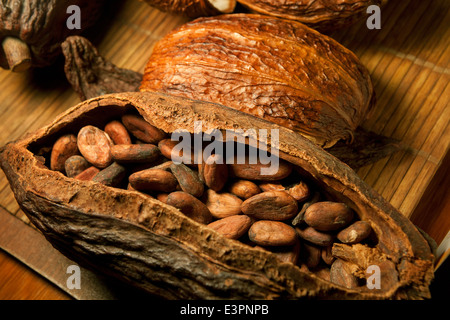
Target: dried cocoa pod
{"points": [[223, 204], [75, 165], [117, 132], [232, 227], [194, 8], [31, 31], [328, 215], [300, 79], [95, 146], [188, 259], [324, 15], [272, 233], [63, 149], [244, 189], [189, 206], [270, 205]]}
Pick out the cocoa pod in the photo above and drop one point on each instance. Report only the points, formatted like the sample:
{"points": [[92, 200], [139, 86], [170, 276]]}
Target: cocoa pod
{"points": [[32, 30], [63, 149], [270, 205], [328, 216], [190, 260], [194, 8], [244, 189], [232, 227], [189, 206], [324, 15], [300, 79], [95, 146], [117, 132], [272, 233], [223, 204]]}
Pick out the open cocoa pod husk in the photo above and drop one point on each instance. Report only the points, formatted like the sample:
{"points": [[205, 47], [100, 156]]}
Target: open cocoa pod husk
{"points": [[194, 8], [154, 246]]}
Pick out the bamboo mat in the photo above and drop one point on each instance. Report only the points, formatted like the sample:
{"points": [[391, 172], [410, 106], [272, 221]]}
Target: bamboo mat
{"points": [[408, 60]]}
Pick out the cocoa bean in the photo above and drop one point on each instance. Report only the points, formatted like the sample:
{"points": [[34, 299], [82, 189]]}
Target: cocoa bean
{"points": [[187, 179], [328, 216], [232, 227], [244, 189], [317, 237], [215, 172], [300, 191], [87, 174], [222, 204], [135, 153], [340, 275], [166, 147], [75, 165], [117, 132], [270, 205], [95, 146], [153, 180], [63, 148], [272, 233], [311, 254], [111, 176], [190, 206], [141, 129], [327, 257], [250, 171], [356, 232]]}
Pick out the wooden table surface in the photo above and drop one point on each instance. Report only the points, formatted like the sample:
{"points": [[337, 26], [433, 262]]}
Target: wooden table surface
{"points": [[408, 60]]}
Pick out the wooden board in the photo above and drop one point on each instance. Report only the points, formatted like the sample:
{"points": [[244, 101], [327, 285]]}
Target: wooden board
{"points": [[408, 60]]}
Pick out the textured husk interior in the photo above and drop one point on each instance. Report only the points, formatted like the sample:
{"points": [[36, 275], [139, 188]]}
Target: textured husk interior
{"points": [[153, 246]]}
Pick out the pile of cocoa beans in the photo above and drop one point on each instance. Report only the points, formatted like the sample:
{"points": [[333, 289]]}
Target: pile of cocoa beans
{"points": [[281, 213]]}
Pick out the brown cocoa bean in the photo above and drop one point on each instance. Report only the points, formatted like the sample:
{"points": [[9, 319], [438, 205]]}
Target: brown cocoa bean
{"points": [[244, 189], [166, 146], [117, 132], [314, 236], [243, 169], [327, 257], [135, 153], [95, 146], [270, 186], [187, 179], [190, 206], [287, 254], [87, 174], [270, 205], [355, 233], [63, 148], [215, 172], [311, 254], [153, 180], [340, 275], [300, 191], [222, 204], [328, 216], [162, 197], [272, 233], [111, 176], [141, 129], [75, 165], [232, 227]]}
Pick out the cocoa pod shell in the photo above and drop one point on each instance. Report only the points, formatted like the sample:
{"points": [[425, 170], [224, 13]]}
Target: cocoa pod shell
{"points": [[170, 255], [300, 78]]}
